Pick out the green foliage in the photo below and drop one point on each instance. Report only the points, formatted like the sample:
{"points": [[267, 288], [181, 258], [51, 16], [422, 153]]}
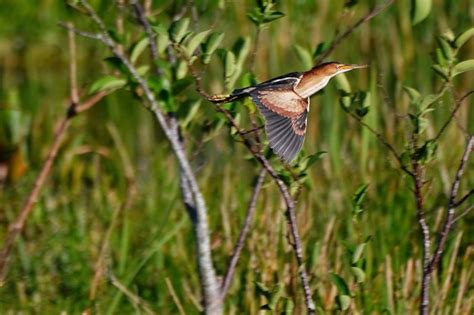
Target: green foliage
{"points": [[152, 240], [264, 13]]}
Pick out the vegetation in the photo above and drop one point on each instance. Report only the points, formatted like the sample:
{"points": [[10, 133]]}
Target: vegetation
{"points": [[110, 234]]}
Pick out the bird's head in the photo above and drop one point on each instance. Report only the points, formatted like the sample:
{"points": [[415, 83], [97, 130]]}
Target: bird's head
{"points": [[331, 69]]}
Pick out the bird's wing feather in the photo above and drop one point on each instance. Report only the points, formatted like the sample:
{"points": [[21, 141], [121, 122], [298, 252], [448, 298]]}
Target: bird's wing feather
{"points": [[285, 114]]}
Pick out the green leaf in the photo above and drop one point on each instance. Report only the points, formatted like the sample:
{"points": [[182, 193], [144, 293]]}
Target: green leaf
{"points": [[181, 69], [463, 66], [357, 254], [321, 48], [241, 49], [358, 198], [342, 84], [255, 17], [304, 56], [463, 38], [427, 152], [310, 160], [106, 83], [276, 295], [116, 64], [195, 41], [359, 274], [289, 307], [178, 29], [262, 289], [162, 38], [211, 45], [441, 71], [138, 48], [413, 94], [420, 9], [427, 100], [272, 16], [142, 70], [340, 284], [229, 64], [166, 100], [343, 301], [446, 49]]}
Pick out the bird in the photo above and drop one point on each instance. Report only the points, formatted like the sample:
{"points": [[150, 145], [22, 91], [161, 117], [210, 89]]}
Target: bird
{"points": [[284, 103]]}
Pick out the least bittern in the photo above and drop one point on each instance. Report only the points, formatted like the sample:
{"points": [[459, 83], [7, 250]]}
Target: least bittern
{"points": [[284, 103]]}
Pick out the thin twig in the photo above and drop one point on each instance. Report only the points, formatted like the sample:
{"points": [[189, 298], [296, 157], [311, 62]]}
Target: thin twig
{"points": [[73, 65], [243, 234], [461, 215], [464, 198], [376, 10], [452, 204], [137, 301], [79, 32], [452, 115]]}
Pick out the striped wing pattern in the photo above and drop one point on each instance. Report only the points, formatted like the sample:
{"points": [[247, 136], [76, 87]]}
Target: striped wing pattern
{"points": [[285, 114]]}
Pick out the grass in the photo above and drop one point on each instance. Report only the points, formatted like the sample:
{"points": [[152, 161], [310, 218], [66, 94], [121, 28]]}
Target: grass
{"points": [[151, 248]]}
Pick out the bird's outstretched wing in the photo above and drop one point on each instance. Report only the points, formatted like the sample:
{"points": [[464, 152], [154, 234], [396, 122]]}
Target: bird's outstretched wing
{"points": [[285, 114]]}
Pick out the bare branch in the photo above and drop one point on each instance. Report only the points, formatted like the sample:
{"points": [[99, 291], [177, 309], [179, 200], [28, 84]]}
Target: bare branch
{"points": [[243, 234], [79, 32], [73, 65], [452, 204], [376, 10], [210, 286], [418, 183]]}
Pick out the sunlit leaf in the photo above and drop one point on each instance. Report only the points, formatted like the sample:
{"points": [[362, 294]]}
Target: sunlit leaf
{"points": [[420, 9], [178, 29], [181, 70], [195, 41], [359, 250], [107, 83], [359, 274], [446, 48], [211, 45], [340, 283], [463, 66], [413, 94], [441, 72], [342, 84], [272, 16], [463, 38], [229, 64], [304, 56], [343, 301], [138, 48]]}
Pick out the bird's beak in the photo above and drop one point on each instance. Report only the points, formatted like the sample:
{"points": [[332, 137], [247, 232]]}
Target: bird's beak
{"points": [[351, 67]]}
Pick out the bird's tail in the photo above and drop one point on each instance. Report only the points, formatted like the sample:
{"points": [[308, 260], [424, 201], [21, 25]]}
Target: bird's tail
{"points": [[235, 95]]}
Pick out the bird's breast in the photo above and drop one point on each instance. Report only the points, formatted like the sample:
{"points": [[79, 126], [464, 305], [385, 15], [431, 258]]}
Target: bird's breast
{"points": [[310, 84]]}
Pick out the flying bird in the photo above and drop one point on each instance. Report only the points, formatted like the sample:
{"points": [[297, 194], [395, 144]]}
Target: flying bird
{"points": [[284, 104]]}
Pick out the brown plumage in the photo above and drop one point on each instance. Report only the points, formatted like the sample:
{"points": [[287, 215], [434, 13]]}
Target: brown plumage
{"points": [[284, 103]]}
